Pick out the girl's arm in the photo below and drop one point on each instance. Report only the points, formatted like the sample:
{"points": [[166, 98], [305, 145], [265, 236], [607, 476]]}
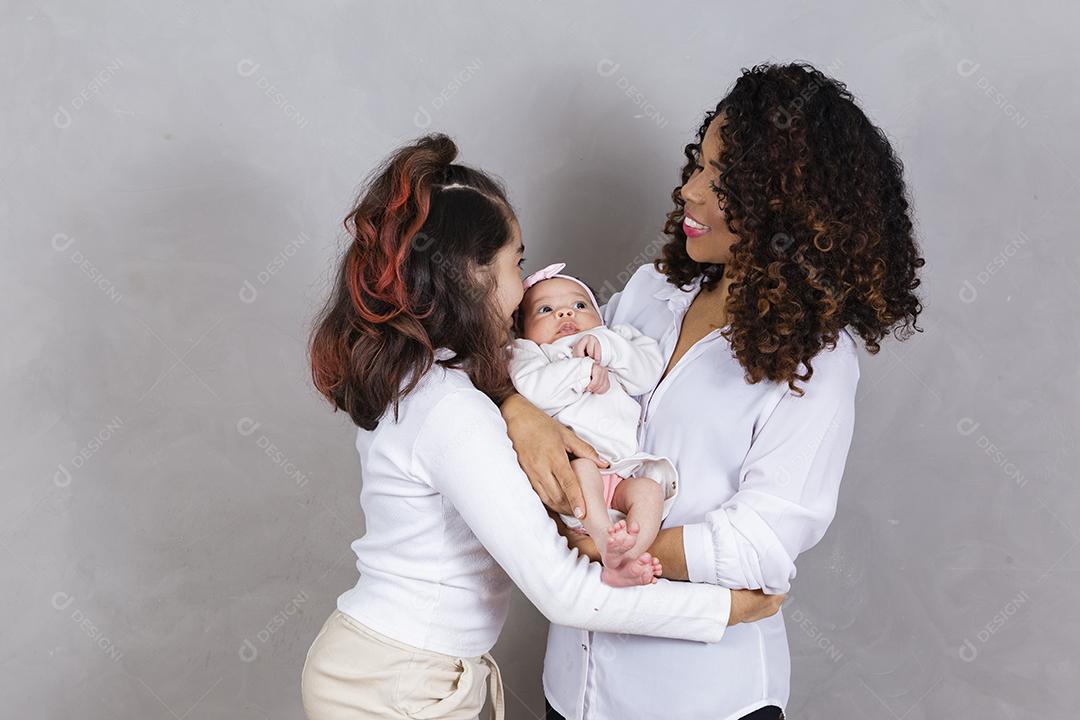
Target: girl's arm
{"points": [[463, 453]]}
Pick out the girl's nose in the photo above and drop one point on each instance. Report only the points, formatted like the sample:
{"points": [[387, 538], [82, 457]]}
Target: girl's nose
{"points": [[565, 311]]}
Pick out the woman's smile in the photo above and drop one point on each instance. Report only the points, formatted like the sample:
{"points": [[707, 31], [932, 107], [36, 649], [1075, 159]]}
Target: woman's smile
{"points": [[692, 227]]}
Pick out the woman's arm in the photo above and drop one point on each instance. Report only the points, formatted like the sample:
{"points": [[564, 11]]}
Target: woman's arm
{"points": [[750, 605], [788, 489], [464, 455]]}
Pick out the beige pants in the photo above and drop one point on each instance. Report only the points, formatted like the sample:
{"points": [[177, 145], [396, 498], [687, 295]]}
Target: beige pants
{"points": [[351, 672]]}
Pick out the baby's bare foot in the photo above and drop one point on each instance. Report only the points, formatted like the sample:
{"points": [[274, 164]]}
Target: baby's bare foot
{"points": [[641, 571], [620, 539]]}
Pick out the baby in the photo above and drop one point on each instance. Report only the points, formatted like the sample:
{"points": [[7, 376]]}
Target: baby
{"points": [[573, 367]]}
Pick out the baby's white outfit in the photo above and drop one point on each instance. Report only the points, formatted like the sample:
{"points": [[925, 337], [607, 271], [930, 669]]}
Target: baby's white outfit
{"points": [[551, 378]]}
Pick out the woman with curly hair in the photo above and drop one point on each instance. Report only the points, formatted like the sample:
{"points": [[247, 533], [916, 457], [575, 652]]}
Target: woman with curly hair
{"points": [[790, 236]]}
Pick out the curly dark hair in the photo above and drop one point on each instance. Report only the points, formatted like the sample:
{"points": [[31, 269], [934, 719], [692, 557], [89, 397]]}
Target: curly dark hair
{"points": [[815, 197], [408, 283]]}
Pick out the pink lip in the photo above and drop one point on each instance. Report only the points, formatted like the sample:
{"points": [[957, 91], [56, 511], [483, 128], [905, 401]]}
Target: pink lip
{"points": [[692, 232], [568, 328]]}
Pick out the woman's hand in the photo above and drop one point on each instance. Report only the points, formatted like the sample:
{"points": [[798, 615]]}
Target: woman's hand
{"points": [[541, 444], [752, 605]]}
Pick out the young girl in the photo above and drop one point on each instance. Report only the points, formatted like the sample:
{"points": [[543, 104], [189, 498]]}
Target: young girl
{"points": [[412, 345], [584, 374]]}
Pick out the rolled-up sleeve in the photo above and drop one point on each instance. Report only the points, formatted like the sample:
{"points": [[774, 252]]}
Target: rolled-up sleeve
{"points": [[788, 485]]}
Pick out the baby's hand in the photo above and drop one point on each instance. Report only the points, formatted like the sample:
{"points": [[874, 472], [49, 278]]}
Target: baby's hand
{"points": [[598, 383], [589, 345]]}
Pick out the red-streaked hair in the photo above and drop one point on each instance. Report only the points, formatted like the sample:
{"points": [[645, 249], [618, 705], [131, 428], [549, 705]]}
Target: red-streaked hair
{"points": [[423, 231]]}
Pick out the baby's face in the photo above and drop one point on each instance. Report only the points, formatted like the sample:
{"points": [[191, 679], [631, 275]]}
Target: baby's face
{"points": [[554, 308]]}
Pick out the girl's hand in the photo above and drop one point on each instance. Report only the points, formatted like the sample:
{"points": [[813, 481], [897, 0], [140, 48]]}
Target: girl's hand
{"points": [[599, 384], [752, 605], [541, 444], [589, 345]]}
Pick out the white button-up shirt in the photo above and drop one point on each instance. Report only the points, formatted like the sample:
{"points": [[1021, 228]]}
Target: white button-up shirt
{"points": [[759, 471]]}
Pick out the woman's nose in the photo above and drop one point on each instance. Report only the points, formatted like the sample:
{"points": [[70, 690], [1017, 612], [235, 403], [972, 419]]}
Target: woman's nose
{"points": [[691, 191]]}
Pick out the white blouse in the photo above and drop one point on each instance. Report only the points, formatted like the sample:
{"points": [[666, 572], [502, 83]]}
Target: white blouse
{"points": [[447, 504], [759, 473]]}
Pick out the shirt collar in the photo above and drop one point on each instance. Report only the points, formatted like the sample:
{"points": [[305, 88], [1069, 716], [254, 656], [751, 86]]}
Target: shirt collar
{"points": [[442, 353], [677, 298]]}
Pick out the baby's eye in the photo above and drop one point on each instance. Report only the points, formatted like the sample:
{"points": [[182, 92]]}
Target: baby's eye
{"points": [[579, 305], [543, 309]]}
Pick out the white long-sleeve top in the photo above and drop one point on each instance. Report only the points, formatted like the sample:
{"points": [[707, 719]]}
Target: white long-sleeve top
{"points": [[759, 474], [550, 377], [452, 521]]}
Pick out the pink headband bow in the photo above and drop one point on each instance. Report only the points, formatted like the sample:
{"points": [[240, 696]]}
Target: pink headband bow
{"points": [[552, 271]]}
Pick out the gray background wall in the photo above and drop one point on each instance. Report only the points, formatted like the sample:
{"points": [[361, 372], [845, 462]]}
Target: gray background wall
{"points": [[178, 500]]}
